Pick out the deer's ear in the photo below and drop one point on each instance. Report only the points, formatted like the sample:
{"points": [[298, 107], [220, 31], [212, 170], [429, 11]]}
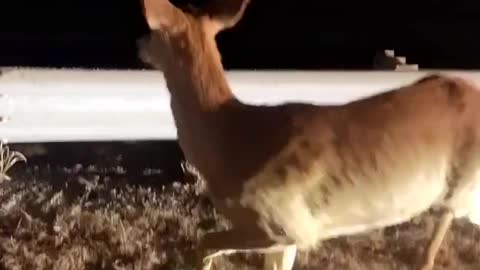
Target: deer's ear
{"points": [[224, 14], [160, 14]]}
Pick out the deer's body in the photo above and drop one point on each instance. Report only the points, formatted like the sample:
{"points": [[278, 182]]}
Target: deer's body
{"points": [[319, 172], [295, 174]]}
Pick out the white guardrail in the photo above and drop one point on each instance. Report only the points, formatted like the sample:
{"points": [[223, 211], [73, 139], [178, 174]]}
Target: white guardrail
{"points": [[54, 105]]}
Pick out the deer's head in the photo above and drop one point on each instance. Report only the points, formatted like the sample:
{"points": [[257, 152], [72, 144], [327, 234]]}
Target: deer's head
{"points": [[185, 31]]}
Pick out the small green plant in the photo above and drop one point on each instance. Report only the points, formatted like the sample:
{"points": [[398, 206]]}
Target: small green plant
{"points": [[7, 160]]}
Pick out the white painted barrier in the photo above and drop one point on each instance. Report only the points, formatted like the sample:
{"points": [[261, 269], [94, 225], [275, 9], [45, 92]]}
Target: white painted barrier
{"points": [[48, 105]]}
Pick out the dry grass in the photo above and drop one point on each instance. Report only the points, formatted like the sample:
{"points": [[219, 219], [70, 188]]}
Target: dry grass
{"points": [[91, 218]]}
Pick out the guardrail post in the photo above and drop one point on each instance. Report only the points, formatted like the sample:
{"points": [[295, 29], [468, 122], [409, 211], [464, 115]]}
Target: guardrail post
{"points": [[386, 60]]}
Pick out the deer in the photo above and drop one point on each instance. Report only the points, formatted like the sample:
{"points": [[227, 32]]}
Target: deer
{"points": [[291, 175]]}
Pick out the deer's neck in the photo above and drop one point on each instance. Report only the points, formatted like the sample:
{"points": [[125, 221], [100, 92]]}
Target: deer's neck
{"points": [[199, 96], [195, 77]]}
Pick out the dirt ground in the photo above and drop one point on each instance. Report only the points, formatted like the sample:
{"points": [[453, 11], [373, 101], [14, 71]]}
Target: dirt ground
{"points": [[129, 206]]}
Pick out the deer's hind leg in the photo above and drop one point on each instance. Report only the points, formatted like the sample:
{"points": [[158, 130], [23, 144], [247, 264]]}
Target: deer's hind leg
{"points": [[464, 185], [437, 238]]}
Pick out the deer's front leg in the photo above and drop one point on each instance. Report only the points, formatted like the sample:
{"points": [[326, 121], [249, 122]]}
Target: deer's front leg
{"points": [[281, 260], [437, 238], [231, 241]]}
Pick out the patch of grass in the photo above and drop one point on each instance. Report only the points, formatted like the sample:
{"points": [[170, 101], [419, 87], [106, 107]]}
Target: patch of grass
{"points": [[8, 159]]}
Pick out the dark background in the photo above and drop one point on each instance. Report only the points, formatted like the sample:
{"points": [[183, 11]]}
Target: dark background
{"points": [[274, 34]]}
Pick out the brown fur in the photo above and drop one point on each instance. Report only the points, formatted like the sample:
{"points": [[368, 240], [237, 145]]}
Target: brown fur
{"points": [[314, 151]]}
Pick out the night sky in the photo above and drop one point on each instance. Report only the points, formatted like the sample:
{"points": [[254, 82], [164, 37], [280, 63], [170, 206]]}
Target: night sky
{"points": [[274, 34]]}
